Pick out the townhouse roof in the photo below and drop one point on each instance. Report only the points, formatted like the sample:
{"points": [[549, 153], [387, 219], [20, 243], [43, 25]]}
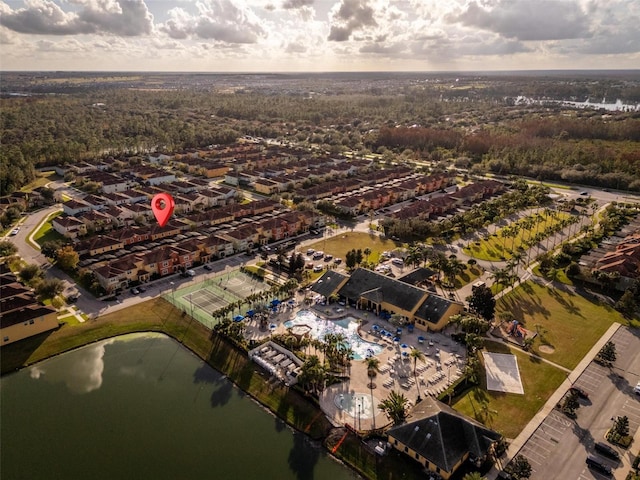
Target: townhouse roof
{"points": [[67, 221]]}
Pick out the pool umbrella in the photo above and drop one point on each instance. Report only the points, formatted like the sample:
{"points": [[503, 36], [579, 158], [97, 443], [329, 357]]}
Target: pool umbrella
{"points": [[273, 326], [396, 339], [404, 345], [238, 318], [375, 327], [275, 302], [421, 338], [405, 354], [250, 313], [389, 334]]}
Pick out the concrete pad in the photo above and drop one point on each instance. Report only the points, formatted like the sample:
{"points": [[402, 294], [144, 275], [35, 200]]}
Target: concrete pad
{"points": [[503, 374]]}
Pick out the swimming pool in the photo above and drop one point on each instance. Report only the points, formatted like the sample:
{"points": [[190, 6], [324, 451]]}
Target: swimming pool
{"points": [[347, 326]]}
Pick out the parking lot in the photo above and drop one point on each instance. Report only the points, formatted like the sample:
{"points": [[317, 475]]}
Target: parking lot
{"points": [[560, 445]]}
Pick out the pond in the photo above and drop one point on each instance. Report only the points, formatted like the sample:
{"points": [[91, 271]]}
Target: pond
{"points": [[142, 406]]}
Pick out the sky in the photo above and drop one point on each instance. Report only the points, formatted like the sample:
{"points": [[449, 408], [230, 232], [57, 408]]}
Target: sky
{"points": [[318, 35]]}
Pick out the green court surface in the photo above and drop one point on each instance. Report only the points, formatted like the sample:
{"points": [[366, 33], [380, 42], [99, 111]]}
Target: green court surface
{"points": [[203, 298]]}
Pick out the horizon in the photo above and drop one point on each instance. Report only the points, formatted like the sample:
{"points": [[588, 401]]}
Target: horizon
{"points": [[255, 36], [319, 72]]}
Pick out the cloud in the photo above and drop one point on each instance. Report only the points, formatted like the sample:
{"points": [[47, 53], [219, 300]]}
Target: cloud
{"points": [[44, 17], [349, 16], [127, 18], [7, 37], [381, 49], [527, 20], [218, 20], [291, 4]]}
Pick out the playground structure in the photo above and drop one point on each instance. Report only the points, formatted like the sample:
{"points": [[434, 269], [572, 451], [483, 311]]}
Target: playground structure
{"points": [[517, 330], [513, 331]]}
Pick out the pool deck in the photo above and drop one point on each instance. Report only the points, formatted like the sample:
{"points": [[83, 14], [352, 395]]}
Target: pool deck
{"points": [[395, 370]]}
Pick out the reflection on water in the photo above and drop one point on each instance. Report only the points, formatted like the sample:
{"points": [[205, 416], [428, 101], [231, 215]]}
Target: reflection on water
{"points": [[155, 411], [82, 374]]}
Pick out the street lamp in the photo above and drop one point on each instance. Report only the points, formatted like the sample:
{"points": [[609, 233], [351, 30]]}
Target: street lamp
{"points": [[191, 303], [173, 293]]}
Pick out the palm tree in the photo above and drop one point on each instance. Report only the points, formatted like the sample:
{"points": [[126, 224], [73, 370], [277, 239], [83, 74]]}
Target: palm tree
{"points": [[416, 355], [372, 367], [453, 268], [312, 374], [367, 252], [474, 476], [394, 407]]}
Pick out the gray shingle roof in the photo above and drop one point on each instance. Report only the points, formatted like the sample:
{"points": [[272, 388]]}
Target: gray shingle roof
{"points": [[328, 283], [433, 308], [442, 435], [363, 282]]}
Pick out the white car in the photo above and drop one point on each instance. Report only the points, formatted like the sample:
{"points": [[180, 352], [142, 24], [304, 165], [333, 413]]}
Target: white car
{"points": [[15, 231], [636, 389]]}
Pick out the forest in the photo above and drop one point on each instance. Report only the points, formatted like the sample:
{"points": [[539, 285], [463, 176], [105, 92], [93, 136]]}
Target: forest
{"points": [[467, 126]]}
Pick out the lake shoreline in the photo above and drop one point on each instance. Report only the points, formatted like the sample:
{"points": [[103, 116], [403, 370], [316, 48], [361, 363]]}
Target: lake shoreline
{"points": [[302, 413]]}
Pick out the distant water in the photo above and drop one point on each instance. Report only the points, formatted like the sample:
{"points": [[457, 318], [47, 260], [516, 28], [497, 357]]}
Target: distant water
{"points": [[143, 407], [617, 106]]}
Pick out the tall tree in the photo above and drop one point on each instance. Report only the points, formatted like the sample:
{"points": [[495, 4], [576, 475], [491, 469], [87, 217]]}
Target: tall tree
{"points": [[394, 407], [482, 301], [416, 355]]}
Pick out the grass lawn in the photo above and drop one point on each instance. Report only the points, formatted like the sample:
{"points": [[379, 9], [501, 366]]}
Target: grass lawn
{"points": [[569, 323], [468, 276], [157, 315], [508, 413], [550, 185], [497, 248], [339, 245], [560, 275], [41, 180], [46, 232]]}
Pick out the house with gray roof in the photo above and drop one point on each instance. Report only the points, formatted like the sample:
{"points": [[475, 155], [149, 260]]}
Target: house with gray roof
{"points": [[441, 439]]}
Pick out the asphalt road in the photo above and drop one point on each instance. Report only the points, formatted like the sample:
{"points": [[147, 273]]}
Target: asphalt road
{"points": [[560, 445]]}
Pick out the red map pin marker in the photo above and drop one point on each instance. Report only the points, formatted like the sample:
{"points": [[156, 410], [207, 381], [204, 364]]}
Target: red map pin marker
{"points": [[162, 205]]}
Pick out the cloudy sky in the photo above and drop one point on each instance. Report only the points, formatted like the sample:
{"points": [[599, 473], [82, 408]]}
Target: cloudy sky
{"points": [[318, 35]]}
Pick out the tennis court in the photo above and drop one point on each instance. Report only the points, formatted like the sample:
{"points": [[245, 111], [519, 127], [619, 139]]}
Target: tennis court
{"points": [[202, 299]]}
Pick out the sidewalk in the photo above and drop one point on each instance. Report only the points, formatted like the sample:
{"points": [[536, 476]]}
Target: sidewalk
{"points": [[517, 444]]}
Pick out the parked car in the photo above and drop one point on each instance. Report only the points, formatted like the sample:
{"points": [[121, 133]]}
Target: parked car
{"points": [[310, 251], [135, 291], [72, 299], [208, 267], [579, 392], [141, 289], [337, 261], [318, 268], [327, 258], [596, 464], [636, 389], [606, 450]]}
